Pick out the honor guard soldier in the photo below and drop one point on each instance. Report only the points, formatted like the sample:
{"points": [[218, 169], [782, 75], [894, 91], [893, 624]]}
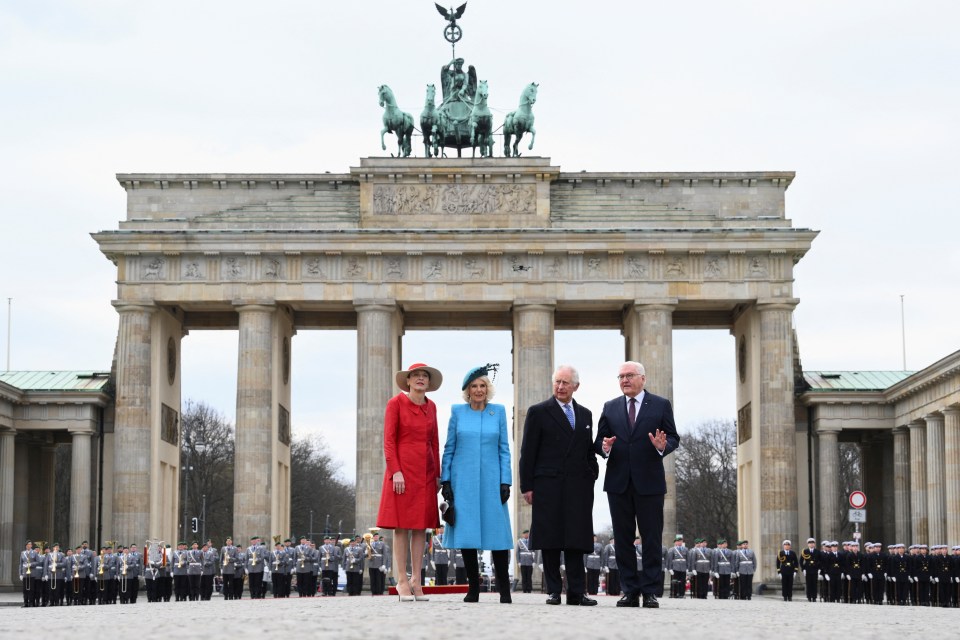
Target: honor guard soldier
{"points": [[942, 571], [787, 564], [240, 572], [700, 561], [898, 572], [256, 556], [30, 575], [138, 566], [832, 570], [810, 566], [89, 586], [876, 567], [54, 574], [378, 566], [130, 583], [303, 568], [923, 572], [460, 574], [181, 586], [353, 560], [66, 597], [844, 555], [329, 566], [278, 561], [744, 567], [609, 560], [955, 575], [208, 569], [593, 565], [525, 559], [228, 560], [291, 553], [194, 571], [79, 572], [442, 557], [676, 564], [722, 567]]}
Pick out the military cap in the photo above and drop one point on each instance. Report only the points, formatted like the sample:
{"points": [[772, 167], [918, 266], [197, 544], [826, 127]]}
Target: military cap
{"points": [[811, 540], [721, 540], [679, 536], [786, 542]]}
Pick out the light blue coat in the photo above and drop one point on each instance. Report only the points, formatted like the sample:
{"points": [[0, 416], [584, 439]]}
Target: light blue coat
{"points": [[476, 461]]}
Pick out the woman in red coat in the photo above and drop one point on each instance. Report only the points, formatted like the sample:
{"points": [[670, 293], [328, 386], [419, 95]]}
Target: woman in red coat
{"points": [[408, 500]]}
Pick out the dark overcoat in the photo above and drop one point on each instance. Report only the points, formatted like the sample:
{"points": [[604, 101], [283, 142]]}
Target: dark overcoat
{"points": [[559, 465]]}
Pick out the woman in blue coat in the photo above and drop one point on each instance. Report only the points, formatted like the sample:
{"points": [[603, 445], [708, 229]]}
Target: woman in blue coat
{"points": [[476, 480]]}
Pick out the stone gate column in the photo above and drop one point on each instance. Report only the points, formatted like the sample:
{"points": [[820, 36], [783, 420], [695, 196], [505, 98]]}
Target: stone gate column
{"points": [[951, 447], [254, 434], [901, 484], [648, 328], [778, 451], [829, 463], [80, 487], [131, 457], [936, 473], [8, 546], [919, 533], [376, 340], [533, 324]]}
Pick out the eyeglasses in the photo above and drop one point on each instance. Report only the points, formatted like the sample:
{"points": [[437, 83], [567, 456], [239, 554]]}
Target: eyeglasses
{"points": [[628, 376]]}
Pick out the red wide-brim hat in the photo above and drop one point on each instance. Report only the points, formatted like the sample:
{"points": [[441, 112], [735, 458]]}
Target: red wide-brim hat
{"points": [[436, 378]]}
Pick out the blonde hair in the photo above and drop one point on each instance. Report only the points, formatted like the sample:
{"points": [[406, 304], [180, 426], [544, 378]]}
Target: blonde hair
{"points": [[490, 389]]}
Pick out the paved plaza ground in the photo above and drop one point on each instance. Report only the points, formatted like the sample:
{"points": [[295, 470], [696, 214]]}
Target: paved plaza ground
{"points": [[368, 618]]}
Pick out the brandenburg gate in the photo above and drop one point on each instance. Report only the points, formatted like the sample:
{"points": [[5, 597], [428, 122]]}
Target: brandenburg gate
{"points": [[442, 243]]}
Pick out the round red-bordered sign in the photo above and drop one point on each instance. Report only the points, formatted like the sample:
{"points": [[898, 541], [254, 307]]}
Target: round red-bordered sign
{"points": [[858, 499]]}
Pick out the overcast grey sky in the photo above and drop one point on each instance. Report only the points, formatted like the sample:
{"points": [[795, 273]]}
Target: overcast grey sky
{"points": [[860, 98]]}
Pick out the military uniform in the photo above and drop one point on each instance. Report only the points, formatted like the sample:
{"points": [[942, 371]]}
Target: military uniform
{"points": [[228, 567], [593, 564], [329, 566], [54, 574], [30, 575], [194, 572], [609, 560], [675, 561], [876, 567], [378, 566], [240, 571], [278, 564], [744, 567], [441, 560], [181, 585], [256, 556], [721, 565], [353, 561], [699, 561], [208, 569], [810, 565], [787, 565], [78, 571], [458, 569], [128, 585], [526, 558]]}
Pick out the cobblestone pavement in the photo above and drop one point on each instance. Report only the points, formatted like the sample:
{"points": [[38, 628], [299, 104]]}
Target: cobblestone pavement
{"points": [[367, 618]]}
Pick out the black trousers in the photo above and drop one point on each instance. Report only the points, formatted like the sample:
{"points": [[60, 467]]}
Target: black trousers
{"points": [[678, 584], [460, 575], [194, 586], [227, 586], [703, 584], [330, 579], [630, 512], [526, 578], [206, 586], [441, 576], [256, 585], [377, 582], [723, 586], [811, 581], [237, 585], [745, 586], [576, 576], [786, 585], [613, 582], [354, 583], [593, 581]]}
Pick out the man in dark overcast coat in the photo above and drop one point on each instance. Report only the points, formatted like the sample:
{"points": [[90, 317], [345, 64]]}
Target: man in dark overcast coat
{"points": [[558, 468]]}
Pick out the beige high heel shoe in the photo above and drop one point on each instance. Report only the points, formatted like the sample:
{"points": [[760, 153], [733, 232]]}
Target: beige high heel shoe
{"points": [[409, 597], [420, 597]]}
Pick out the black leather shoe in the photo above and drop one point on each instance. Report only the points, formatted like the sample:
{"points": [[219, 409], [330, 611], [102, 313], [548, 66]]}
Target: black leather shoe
{"points": [[650, 601], [629, 601], [581, 601], [553, 598]]}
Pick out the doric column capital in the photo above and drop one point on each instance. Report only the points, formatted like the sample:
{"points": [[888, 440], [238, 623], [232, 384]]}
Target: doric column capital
{"points": [[81, 432], [535, 303], [828, 431], [917, 424], [933, 418], [373, 304], [122, 306], [251, 305], [777, 304], [664, 304], [952, 410]]}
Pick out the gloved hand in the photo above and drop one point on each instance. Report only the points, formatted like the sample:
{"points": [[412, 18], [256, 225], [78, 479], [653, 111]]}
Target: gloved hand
{"points": [[870, 576], [606, 570], [45, 579], [865, 579], [735, 575], [826, 577], [21, 578], [716, 575], [446, 491], [671, 571], [504, 493], [804, 573], [540, 567], [383, 569]]}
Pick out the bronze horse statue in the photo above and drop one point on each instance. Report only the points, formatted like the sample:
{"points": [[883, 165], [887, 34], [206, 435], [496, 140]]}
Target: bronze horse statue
{"points": [[520, 121], [395, 120], [481, 123], [428, 120]]}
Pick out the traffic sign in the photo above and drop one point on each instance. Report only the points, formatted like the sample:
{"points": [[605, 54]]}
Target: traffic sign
{"points": [[858, 499], [858, 515]]}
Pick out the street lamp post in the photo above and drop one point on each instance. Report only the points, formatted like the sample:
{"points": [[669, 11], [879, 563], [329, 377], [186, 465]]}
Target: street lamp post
{"points": [[203, 519]]}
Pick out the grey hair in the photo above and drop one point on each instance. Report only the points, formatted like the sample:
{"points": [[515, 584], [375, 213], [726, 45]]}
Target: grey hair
{"points": [[491, 390], [635, 365], [574, 374]]}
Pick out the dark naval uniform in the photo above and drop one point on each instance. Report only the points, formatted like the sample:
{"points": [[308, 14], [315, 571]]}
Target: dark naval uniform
{"points": [[810, 565]]}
